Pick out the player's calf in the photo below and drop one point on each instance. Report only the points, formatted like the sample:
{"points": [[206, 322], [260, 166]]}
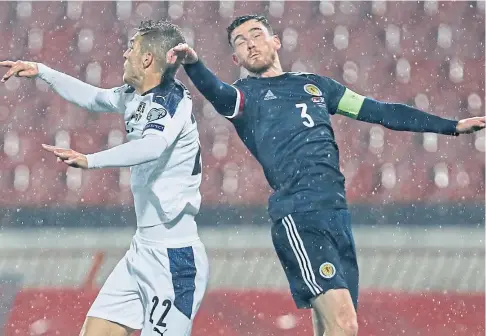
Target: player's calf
{"points": [[94, 326], [335, 308]]}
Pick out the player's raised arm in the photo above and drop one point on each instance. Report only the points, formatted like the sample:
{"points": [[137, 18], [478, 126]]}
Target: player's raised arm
{"points": [[395, 116], [226, 99], [73, 90]]}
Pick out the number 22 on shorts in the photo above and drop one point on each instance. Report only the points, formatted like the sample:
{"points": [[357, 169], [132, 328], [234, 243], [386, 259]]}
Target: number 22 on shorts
{"points": [[160, 323]]}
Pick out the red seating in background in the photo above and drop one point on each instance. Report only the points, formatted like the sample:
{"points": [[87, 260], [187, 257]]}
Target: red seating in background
{"points": [[440, 43]]}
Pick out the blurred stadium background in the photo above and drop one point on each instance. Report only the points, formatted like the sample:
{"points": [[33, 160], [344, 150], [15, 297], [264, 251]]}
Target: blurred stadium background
{"points": [[418, 200]]}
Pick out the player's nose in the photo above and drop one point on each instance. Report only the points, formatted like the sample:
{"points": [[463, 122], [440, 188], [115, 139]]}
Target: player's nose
{"points": [[250, 44]]}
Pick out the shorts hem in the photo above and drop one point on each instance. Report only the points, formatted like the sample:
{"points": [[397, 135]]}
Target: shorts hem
{"points": [[306, 304]]}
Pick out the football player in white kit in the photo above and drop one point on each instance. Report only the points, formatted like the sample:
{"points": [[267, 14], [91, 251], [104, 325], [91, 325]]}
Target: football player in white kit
{"points": [[159, 284]]}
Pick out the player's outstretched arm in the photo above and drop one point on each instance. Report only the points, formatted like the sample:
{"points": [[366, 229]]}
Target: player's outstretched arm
{"points": [[401, 117], [73, 90], [129, 154], [226, 99]]}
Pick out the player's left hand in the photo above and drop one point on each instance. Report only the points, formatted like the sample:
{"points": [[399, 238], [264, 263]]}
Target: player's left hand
{"points": [[471, 125], [68, 156]]}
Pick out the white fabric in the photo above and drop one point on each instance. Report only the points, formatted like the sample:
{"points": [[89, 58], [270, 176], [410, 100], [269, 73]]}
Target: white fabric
{"points": [[146, 272], [165, 183], [84, 95], [129, 154]]}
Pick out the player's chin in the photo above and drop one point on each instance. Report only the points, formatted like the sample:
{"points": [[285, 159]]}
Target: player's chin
{"points": [[257, 67], [126, 79]]}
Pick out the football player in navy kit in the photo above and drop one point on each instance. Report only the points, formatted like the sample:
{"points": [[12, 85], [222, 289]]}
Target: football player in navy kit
{"points": [[284, 120]]}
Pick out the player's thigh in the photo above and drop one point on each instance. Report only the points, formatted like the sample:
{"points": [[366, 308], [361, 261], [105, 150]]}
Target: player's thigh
{"points": [[336, 310], [118, 301], [317, 323], [173, 282], [94, 326]]}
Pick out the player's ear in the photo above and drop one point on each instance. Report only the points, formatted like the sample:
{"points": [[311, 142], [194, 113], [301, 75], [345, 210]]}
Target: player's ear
{"points": [[148, 59], [236, 61]]}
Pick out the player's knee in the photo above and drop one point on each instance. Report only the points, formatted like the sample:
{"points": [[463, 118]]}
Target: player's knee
{"points": [[347, 322]]}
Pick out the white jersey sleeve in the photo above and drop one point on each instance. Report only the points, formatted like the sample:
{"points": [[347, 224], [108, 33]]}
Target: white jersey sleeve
{"points": [[84, 95], [129, 154]]}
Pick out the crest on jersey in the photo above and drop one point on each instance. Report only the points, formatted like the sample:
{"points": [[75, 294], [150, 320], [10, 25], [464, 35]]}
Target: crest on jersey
{"points": [[139, 113], [327, 270], [312, 90], [156, 114]]}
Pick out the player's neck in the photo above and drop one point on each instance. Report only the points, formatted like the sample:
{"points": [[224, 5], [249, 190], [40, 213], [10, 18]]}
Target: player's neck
{"points": [[273, 71], [150, 81]]}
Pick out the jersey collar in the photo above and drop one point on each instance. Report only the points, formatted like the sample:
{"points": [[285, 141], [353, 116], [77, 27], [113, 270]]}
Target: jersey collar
{"points": [[165, 86], [281, 76]]}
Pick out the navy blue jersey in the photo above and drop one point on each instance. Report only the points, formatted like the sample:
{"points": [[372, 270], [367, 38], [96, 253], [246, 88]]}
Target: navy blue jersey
{"points": [[285, 123]]}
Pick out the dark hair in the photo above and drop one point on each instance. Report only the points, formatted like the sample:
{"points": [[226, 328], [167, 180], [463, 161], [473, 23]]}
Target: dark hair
{"points": [[242, 19], [159, 37]]}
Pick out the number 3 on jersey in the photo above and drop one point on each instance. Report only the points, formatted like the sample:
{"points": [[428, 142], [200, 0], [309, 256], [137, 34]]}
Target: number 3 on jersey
{"points": [[309, 122]]}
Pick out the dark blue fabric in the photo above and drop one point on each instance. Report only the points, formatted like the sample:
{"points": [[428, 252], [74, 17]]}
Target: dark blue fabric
{"points": [[183, 270], [168, 94], [400, 117], [221, 95]]}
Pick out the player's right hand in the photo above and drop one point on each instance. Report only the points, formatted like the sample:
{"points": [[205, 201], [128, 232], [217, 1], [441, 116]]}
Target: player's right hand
{"points": [[19, 69], [182, 53]]}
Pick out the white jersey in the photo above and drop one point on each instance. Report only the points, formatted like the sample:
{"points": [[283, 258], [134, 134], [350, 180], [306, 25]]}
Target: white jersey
{"points": [[164, 189]]}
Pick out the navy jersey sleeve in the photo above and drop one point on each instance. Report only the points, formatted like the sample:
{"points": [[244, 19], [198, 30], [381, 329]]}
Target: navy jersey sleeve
{"points": [[399, 117], [333, 91], [228, 100]]}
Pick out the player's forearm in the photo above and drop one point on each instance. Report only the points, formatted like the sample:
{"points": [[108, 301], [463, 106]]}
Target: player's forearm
{"points": [[220, 94], [129, 154], [402, 117], [75, 91]]}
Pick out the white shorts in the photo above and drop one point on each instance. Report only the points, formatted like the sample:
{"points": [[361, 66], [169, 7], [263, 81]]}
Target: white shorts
{"points": [[155, 288]]}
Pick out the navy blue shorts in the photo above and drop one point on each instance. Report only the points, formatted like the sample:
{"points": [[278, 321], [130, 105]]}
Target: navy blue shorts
{"points": [[317, 251]]}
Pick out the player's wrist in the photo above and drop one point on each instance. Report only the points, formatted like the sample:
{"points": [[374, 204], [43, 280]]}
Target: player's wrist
{"points": [[91, 160], [42, 70]]}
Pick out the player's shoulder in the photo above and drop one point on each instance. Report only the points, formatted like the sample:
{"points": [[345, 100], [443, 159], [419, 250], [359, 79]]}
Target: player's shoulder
{"points": [[307, 75], [242, 82], [170, 96], [325, 83]]}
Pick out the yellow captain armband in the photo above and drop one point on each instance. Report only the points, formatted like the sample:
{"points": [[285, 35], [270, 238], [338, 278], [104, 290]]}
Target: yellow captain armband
{"points": [[350, 104]]}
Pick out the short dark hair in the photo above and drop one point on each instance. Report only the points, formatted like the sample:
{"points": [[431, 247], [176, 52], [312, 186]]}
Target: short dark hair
{"points": [[159, 37], [242, 19]]}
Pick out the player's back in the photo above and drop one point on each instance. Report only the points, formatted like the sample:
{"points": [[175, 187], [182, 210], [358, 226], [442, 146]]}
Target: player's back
{"points": [[166, 189], [286, 125]]}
